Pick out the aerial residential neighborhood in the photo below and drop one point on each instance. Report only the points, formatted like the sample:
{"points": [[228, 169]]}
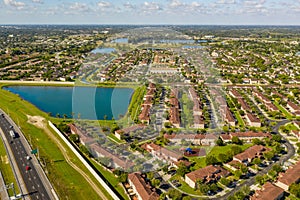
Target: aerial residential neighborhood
{"points": [[149, 112]]}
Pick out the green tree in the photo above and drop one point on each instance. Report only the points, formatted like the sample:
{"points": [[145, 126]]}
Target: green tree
{"points": [[224, 158], [276, 138], [277, 168], [182, 170], [236, 140], [175, 194], [210, 160], [74, 138], [295, 189], [238, 174], [220, 142], [259, 179], [155, 182], [224, 181], [257, 141], [269, 155], [236, 150], [256, 161]]}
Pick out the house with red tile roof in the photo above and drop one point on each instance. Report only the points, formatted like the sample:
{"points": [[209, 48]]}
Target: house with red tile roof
{"points": [[249, 154], [245, 136], [162, 153], [127, 130], [293, 107], [117, 162], [144, 117], [268, 191], [142, 190], [207, 174], [84, 137], [244, 106], [290, 176], [252, 120], [262, 97], [235, 94]]}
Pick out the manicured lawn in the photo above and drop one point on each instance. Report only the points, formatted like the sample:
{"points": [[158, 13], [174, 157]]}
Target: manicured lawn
{"points": [[239, 118], [215, 151], [291, 127], [226, 149], [6, 170], [185, 187], [68, 183], [114, 138], [283, 110]]}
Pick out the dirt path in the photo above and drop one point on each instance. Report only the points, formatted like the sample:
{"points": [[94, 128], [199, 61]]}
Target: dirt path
{"points": [[40, 122]]}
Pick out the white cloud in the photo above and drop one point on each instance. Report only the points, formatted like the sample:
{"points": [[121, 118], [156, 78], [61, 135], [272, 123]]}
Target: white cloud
{"points": [[129, 6], [151, 6], [226, 2], [17, 4], [37, 1], [176, 4], [79, 6], [104, 4]]}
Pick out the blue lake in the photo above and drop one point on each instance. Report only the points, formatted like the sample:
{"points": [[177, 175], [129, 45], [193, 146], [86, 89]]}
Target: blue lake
{"points": [[84, 102], [103, 50], [120, 40]]}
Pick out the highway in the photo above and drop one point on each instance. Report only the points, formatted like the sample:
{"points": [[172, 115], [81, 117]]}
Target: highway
{"points": [[34, 182]]}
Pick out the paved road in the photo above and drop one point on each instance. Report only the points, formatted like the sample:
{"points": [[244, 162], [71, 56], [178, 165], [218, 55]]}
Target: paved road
{"points": [[34, 184]]}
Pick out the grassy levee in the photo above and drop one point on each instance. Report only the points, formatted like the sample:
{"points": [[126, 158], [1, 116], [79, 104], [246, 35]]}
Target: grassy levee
{"points": [[6, 170], [136, 101], [68, 183]]}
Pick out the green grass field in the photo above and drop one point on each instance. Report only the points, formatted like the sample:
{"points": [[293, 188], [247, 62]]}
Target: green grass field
{"points": [[68, 183], [239, 118], [6, 170], [283, 110]]}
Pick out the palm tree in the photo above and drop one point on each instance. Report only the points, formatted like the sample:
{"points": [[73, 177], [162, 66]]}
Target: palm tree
{"points": [[65, 116]]}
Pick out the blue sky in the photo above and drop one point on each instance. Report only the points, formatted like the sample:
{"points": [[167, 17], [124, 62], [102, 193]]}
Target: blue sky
{"points": [[228, 12]]}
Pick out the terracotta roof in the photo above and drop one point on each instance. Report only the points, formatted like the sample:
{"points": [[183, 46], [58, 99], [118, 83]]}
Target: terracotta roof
{"points": [[145, 113], [271, 107], [251, 153], [142, 188], [291, 175], [174, 115], [268, 191], [118, 161], [131, 129], [244, 105], [294, 106], [184, 136], [261, 97], [252, 118], [236, 94], [198, 119], [193, 93], [250, 134], [207, 173], [225, 136]]}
